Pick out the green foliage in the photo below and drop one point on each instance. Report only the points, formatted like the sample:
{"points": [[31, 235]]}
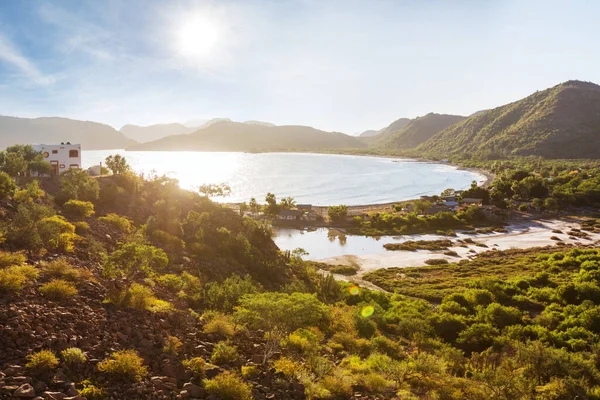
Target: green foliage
{"points": [[134, 261], [56, 233], [8, 259], [220, 324], [196, 365], [73, 356], [78, 209], [118, 222], [124, 365], [7, 185], [337, 213], [42, 361], [92, 392], [11, 281], [172, 345], [224, 296], [58, 289], [117, 164], [281, 311], [75, 184], [228, 386], [61, 268], [224, 353]]}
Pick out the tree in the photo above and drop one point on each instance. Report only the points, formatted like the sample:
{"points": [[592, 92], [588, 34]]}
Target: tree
{"points": [[477, 192], [287, 203], [117, 164], [75, 184], [421, 206], [272, 207], [7, 185], [243, 208], [254, 207], [337, 213], [215, 190], [133, 260], [14, 164], [448, 192], [551, 204]]}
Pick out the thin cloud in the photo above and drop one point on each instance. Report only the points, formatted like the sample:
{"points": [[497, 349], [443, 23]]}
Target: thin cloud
{"points": [[11, 55]]}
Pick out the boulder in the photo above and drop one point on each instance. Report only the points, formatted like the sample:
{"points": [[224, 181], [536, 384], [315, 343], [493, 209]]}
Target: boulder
{"points": [[25, 391]]}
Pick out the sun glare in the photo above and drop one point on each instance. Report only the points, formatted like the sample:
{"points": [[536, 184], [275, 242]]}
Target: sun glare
{"points": [[198, 36]]}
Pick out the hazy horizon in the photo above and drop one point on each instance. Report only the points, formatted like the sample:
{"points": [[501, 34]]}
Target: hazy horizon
{"points": [[345, 66]]}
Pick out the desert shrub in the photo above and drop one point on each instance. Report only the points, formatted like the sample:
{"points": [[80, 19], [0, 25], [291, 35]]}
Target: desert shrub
{"points": [[133, 260], [375, 383], [387, 346], [124, 364], [224, 296], [30, 193], [56, 233], [286, 366], [60, 268], [172, 282], [78, 209], [228, 386], [42, 361], [7, 185], [81, 227], [118, 222], [91, 392], [250, 371], [224, 353], [58, 289], [7, 259], [196, 364], [169, 242], [73, 356], [339, 384], [220, 324], [304, 341], [172, 345], [436, 261], [29, 271], [75, 184], [11, 281]]}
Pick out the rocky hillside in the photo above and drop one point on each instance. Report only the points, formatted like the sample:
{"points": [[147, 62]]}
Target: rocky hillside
{"points": [[91, 135], [145, 134], [560, 122], [418, 131], [237, 136]]}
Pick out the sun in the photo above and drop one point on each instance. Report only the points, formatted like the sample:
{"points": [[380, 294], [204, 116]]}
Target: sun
{"points": [[198, 36]]}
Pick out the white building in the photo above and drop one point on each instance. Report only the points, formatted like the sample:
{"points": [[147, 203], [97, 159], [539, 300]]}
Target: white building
{"points": [[60, 156]]}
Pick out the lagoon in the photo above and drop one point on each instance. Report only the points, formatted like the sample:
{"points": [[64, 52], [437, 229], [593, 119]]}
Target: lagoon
{"points": [[318, 179]]}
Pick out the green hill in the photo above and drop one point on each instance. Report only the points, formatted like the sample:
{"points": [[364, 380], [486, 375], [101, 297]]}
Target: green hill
{"points": [[418, 131], [560, 122], [237, 136]]}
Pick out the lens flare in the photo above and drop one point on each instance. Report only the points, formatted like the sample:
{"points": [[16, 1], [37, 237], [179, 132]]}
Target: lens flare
{"points": [[353, 290], [367, 311]]}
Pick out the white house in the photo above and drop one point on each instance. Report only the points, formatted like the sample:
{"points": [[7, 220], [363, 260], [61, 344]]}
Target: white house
{"points": [[60, 156]]}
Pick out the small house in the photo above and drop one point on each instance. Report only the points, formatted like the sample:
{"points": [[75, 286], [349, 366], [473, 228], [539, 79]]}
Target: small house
{"points": [[289, 215], [61, 157]]}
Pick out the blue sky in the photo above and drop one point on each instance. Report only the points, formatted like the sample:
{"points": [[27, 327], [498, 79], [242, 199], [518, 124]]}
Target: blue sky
{"points": [[336, 65]]}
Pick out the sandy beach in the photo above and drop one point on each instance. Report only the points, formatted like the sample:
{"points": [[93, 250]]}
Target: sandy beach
{"points": [[533, 233]]}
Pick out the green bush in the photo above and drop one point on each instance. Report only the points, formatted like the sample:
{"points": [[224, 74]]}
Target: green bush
{"points": [[81, 227], [58, 289], [78, 209], [124, 364], [172, 345], [42, 361], [227, 386], [220, 324], [60, 268], [7, 259], [11, 281], [30, 193], [224, 353], [172, 282], [75, 184], [224, 296], [196, 364], [92, 392], [7, 185], [118, 222], [73, 356], [56, 233]]}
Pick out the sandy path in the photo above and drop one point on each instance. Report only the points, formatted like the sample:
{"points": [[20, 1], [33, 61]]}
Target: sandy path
{"points": [[530, 234]]}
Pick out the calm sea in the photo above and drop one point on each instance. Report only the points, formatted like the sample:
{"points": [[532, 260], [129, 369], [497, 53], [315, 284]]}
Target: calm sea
{"points": [[319, 179]]}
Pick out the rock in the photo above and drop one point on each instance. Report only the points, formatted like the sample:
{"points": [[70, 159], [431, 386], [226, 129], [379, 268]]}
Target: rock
{"points": [[193, 390], [72, 392], [25, 391], [211, 372], [40, 387], [54, 395]]}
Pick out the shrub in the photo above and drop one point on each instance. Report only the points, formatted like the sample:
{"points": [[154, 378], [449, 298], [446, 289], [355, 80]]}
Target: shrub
{"points": [[220, 324], [58, 289], [124, 364], [78, 208], [172, 282], [7, 185], [224, 296], [11, 281], [60, 268], [30, 193], [42, 361], [81, 227], [339, 384], [436, 261], [76, 184], [286, 366], [7, 259], [118, 222], [224, 353], [56, 233], [133, 260], [377, 384], [29, 271], [196, 364], [92, 392], [304, 341], [73, 356], [227, 386], [250, 371], [172, 345]]}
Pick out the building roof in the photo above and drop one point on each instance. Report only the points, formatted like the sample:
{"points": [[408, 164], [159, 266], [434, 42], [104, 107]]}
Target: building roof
{"points": [[471, 200], [293, 213], [303, 205]]}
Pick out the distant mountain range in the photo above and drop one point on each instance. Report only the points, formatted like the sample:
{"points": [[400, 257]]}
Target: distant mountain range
{"points": [[252, 136], [560, 122], [91, 135], [150, 133]]}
